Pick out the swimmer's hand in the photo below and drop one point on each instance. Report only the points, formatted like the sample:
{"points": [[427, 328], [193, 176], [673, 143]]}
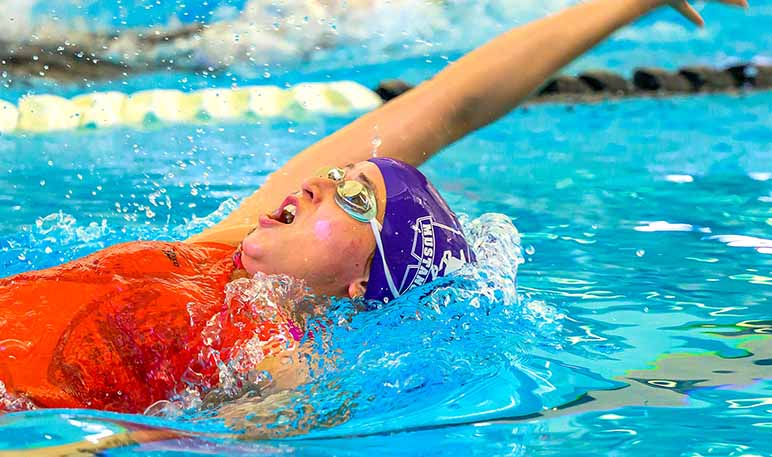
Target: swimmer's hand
{"points": [[683, 7], [279, 415]]}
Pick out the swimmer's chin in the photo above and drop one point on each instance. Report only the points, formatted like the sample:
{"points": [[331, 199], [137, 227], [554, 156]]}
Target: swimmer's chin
{"points": [[250, 265]]}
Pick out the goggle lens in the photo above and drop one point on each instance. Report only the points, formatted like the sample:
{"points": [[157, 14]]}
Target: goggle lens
{"points": [[352, 196]]}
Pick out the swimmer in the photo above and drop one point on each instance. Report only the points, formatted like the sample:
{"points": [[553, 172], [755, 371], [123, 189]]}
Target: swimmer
{"points": [[127, 326]]}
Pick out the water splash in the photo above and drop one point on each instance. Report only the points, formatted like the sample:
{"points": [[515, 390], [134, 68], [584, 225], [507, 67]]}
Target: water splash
{"points": [[261, 317], [433, 344], [419, 357], [265, 38], [198, 224], [10, 402], [376, 142]]}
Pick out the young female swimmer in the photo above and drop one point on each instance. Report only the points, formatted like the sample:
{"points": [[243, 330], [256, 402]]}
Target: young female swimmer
{"points": [[119, 329]]}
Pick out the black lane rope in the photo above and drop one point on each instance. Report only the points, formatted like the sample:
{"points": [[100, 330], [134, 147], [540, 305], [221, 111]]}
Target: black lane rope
{"points": [[598, 85]]}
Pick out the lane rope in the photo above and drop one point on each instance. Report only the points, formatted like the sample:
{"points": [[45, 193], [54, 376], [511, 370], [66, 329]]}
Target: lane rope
{"points": [[45, 113]]}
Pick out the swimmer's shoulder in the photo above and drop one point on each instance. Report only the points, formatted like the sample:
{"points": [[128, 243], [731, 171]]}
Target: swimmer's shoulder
{"points": [[144, 257], [224, 235]]}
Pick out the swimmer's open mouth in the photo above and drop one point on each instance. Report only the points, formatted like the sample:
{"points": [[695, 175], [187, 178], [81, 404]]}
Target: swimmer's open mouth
{"points": [[287, 211]]}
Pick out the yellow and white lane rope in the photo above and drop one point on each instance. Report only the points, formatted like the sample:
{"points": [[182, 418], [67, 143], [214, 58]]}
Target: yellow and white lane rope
{"points": [[45, 113]]}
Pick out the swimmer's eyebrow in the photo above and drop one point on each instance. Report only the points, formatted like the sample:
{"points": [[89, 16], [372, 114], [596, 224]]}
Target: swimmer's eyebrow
{"points": [[367, 181], [361, 176]]}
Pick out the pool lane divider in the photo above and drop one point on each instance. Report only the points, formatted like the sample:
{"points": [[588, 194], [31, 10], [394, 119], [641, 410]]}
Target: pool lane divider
{"points": [[45, 113], [598, 85]]}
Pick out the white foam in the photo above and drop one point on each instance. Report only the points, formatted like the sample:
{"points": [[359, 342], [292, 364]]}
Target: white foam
{"points": [[662, 32], [16, 19], [289, 31], [760, 176], [742, 241], [665, 226], [680, 179]]}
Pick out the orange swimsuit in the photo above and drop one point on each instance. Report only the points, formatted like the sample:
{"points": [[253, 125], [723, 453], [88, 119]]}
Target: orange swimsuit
{"points": [[121, 328]]}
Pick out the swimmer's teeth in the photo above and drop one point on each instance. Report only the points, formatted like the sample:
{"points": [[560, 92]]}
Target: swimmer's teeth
{"points": [[288, 214]]}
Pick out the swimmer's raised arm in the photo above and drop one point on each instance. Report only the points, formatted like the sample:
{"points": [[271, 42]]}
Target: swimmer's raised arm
{"points": [[470, 93]]}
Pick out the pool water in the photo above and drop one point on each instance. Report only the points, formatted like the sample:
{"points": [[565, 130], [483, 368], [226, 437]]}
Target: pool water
{"points": [[644, 308], [642, 316]]}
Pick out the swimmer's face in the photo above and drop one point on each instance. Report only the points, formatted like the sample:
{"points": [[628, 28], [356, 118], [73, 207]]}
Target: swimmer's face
{"points": [[323, 245]]}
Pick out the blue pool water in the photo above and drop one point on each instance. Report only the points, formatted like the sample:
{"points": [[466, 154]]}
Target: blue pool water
{"points": [[637, 290], [642, 318]]}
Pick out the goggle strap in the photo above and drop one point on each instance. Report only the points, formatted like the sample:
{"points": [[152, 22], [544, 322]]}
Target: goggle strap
{"points": [[377, 232]]}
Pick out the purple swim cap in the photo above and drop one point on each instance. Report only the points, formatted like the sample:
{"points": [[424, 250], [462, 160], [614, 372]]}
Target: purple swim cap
{"points": [[421, 237]]}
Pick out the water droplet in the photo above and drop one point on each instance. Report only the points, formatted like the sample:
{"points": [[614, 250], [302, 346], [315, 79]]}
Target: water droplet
{"points": [[640, 253], [376, 142], [530, 250]]}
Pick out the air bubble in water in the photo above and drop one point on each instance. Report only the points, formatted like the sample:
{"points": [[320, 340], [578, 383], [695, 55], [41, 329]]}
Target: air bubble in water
{"points": [[530, 250]]}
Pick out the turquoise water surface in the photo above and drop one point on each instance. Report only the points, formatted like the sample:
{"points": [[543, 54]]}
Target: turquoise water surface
{"points": [[642, 317]]}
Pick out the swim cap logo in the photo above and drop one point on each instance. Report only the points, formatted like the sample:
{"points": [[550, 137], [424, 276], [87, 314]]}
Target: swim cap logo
{"points": [[426, 268]]}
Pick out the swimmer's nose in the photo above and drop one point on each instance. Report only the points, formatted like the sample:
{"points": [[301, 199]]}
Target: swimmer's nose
{"points": [[317, 189]]}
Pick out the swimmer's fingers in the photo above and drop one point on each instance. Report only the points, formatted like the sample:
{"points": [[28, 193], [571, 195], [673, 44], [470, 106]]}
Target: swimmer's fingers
{"points": [[683, 7], [690, 13], [740, 3]]}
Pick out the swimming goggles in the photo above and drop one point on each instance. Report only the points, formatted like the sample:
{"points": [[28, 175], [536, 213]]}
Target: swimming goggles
{"points": [[358, 201]]}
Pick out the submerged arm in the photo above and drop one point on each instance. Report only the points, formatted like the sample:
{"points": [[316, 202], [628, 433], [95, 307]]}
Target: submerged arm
{"points": [[470, 93]]}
